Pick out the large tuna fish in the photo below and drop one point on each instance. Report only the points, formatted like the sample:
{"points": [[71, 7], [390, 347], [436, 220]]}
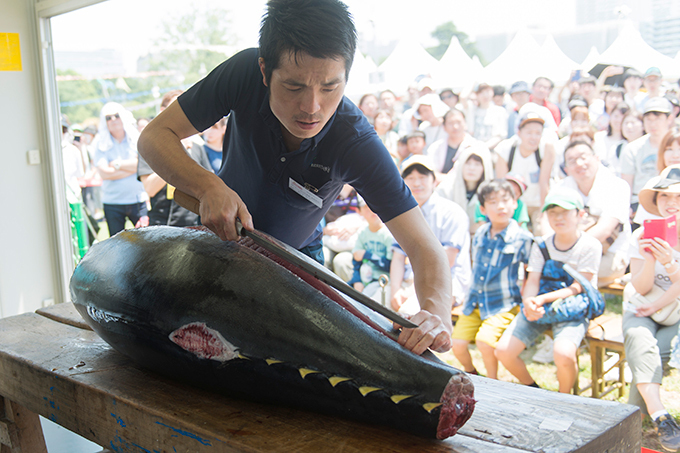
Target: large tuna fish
{"points": [[220, 315]]}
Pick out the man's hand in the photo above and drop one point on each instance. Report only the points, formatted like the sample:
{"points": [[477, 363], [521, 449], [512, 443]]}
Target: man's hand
{"points": [[431, 333], [219, 210]]}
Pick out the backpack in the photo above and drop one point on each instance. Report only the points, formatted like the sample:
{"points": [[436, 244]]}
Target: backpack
{"points": [[555, 275]]}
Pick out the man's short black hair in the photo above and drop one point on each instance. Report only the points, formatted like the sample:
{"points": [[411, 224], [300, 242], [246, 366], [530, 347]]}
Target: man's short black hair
{"points": [[488, 188], [452, 112], [552, 84], [423, 170], [576, 143], [320, 28]]}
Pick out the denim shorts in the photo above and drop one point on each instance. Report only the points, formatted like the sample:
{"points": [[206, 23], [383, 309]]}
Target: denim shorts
{"points": [[527, 332]]}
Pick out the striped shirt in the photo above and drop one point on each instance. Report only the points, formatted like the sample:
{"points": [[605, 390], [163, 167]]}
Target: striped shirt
{"points": [[495, 272]]}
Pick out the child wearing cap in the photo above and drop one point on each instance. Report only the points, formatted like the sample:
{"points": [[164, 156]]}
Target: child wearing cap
{"points": [[521, 215], [564, 209], [498, 249], [372, 254], [531, 156], [654, 268]]}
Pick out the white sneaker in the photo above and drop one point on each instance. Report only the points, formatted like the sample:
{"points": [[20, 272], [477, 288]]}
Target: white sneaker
{"points": [[544, 351]]}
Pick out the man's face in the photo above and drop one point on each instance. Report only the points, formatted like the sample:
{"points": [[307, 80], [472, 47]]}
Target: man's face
{"points": [[426, 113], [531, 135], [587, 90], [421, 185], [449, 98], [520, 98], [304, 94], [415, 145], [581, 163], [455, 125], [485, 96], [652, 83], [655, 123], [214, 135], [632, 84], [387, 100], [114, 123], [541, 90]]}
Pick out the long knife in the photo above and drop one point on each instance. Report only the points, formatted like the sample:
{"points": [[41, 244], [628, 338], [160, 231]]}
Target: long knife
{"points": [[292, 255]]}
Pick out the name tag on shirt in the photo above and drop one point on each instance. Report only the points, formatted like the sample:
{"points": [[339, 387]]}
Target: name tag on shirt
{"points": [[304, 193]]}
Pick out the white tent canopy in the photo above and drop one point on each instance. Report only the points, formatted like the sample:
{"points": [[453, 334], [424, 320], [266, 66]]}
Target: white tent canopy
{"points": [[525, 60], [629, 49], [591, 59], [517, 62], [359, 82], [406, 62], [553, 63], [456, 69]]}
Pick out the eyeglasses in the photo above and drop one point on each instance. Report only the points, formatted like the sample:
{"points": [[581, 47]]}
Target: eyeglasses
{"points": [[111, 117], [578, 161]]}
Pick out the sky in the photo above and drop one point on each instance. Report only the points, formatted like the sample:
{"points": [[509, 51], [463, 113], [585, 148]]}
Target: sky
{"points": [[131, 25]]}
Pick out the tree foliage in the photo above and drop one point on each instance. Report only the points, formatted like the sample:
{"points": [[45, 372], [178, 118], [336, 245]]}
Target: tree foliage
{"points": [[187, 47], [192, 44], [444, 33]]}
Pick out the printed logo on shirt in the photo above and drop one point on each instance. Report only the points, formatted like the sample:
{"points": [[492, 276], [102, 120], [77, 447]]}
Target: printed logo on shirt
{"points": [[321, 167]]}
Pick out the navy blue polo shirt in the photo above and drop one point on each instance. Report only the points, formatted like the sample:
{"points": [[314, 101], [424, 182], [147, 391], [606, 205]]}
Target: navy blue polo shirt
{"points": [[259, 168]]}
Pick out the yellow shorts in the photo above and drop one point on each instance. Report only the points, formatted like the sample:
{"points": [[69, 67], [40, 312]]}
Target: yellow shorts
{"points": [[489, 331]]}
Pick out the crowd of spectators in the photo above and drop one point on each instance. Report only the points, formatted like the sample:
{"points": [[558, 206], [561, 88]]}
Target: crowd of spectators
{"points": [[519, 144]]}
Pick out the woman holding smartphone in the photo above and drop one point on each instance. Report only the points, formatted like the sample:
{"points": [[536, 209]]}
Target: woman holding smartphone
{"points": [[654, 263]]}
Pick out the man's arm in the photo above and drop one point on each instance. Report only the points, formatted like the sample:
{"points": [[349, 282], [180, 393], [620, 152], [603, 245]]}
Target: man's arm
{"points": [[161, 147], [125, 169], [604, 228], [152, 183], [432, 281]]}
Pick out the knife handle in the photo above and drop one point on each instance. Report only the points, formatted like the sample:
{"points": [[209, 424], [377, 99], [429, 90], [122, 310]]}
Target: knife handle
{"points": [[187, 201]]}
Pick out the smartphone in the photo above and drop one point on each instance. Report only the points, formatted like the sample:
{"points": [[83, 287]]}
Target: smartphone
{"points": [[577, 76], [666, 229]]}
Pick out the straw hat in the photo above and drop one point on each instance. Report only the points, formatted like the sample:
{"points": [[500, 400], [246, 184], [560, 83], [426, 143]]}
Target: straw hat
{"points": [[668, 181]]}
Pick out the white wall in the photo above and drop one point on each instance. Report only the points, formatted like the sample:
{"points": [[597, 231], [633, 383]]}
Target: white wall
{"points": [[29, 265]]}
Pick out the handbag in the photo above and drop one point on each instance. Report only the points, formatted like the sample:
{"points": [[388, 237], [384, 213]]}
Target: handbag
{"points": [[667, 316], [555, 275]]}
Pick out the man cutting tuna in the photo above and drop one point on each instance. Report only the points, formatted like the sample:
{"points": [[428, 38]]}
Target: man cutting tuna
{"points": [[293, 140]]}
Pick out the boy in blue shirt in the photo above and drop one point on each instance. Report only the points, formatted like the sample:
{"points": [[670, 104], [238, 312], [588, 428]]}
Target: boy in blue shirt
{"points": [[498, 249]]}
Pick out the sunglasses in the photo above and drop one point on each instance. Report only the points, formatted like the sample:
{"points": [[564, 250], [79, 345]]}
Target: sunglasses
{"points": [[112, 117]]}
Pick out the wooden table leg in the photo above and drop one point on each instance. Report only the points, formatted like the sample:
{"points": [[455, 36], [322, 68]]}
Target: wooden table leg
{"points": [[596, 359], [20, 430]]}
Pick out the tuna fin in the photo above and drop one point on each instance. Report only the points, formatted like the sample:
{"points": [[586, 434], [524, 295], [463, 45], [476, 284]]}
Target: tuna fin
{"points": [[396, 399], [305, 371], [431, 406], [366, 390], [273, 361], [335, 380], [241, 356]]}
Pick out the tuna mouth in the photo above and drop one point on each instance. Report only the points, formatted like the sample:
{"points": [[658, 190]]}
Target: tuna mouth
{"points": [[458, 403]]}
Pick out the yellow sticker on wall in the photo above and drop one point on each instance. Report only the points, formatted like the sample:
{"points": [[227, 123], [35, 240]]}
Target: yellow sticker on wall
{"points": [[10, 52]]}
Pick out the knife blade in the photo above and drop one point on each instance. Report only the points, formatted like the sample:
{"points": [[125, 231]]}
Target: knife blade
{"points": [[290, 254]]}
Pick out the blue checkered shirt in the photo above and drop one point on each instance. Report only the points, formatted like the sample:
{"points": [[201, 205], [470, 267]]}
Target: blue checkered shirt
{"points": [[495, 272]]}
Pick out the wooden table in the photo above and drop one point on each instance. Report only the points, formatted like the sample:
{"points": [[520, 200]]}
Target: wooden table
{"points": [[51, 364]]}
